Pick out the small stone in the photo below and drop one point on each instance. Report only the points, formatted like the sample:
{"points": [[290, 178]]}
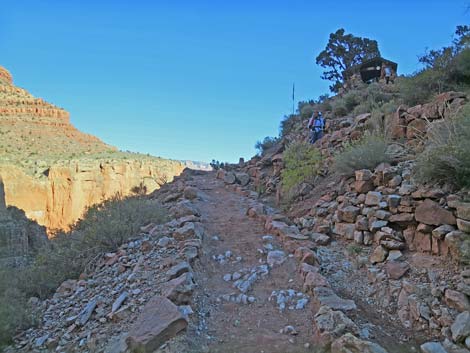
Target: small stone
{"points": [[227, 277], [379, 254], [276, 257]]}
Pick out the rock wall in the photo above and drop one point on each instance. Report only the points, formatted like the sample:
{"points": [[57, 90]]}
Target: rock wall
{"points": [[60, 198]]}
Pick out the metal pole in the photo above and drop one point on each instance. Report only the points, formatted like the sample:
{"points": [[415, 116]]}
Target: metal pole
{"points": [[293, 98]]}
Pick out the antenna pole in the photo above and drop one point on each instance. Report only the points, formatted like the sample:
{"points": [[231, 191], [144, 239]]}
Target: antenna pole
{"points": [[293, 98]]}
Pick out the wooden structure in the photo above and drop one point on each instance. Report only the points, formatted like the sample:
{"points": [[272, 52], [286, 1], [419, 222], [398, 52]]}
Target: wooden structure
{"points": [[373, 69]]}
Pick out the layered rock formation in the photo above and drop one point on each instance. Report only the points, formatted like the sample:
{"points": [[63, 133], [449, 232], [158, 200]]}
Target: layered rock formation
{"points": [[53, 171]]}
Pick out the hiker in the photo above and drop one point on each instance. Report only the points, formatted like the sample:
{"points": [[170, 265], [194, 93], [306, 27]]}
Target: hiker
{"points": [[388, 74], [316, 124]]}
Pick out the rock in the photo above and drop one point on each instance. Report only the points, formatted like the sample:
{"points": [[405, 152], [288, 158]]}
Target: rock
{"points": [[363, 175], [429, 212], [276, 257], [394, 255], [463, 210], [402, 218], [180, 289], [190, 192], [159, 321], [85, 314], [456, 300], [242, 178], [432, 347], [178, 270], [463, 225], [363, 186], [377, 225], [378, 255], [373, 198], [331, 324], [393, 201], [351, 344], [189, 230], [358, 237], [345, 229], [184, 208], [118, 302], [230, 178], [392, 244], [348, 214], [396, 270], [461, 327], [312, 280], [320, 239], [458, 243], [453, 348], [441, 231], [326, 296]]}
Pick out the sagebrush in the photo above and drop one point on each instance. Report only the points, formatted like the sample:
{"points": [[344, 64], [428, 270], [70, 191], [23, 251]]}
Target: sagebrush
{"points": [[366, 153], [301, 164]]}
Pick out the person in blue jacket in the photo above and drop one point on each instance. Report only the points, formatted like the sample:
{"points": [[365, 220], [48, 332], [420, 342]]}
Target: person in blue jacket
{"points": [[316, 125]]}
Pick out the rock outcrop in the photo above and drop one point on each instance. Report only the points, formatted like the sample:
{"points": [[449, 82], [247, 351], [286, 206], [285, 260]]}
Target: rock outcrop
{"points": [[54, 172]]}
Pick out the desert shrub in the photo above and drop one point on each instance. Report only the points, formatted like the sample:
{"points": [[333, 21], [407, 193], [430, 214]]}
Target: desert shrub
{"points": [[103, 228], [338, 108], [446, 157], [420, 88], [365, 153], [266, 144], [289, 123], [301, 164], [307, 110]]}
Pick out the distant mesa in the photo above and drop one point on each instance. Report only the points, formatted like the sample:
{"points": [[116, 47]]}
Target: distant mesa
{"points": [[53, 171]]}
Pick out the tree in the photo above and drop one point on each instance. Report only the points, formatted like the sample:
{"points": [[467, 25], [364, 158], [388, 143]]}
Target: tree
{"points": [[342, 53]]}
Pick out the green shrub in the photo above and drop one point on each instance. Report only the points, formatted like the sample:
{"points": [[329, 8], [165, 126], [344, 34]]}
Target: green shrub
{"points": [[301, 164], [446, 157], [306, 110], [266, 144], [289, 124], [366, 153], [421, 87], [103, 228]]}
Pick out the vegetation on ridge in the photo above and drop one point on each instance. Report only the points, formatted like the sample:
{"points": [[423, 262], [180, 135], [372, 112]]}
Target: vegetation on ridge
{"points": [[103, 228]]}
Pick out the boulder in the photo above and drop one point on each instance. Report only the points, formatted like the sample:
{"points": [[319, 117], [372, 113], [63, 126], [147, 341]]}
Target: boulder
{"points": [[396, 270], [159, 321], [188, 231], [331, 324], [463, 225], [456, 300], [429, 212], [363, 175], [378, 255], [180, 289], [345, 229], [463, 210], [373, 198], [230, 178], [313, 280], [348, 214], [184, 208], [348, 343], [190, 192], [432, 347], [461, 327], [326, 296], [441, 231], [242, 178]]}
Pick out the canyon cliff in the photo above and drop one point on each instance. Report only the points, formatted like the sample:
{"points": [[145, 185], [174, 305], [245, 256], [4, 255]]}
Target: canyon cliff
{"points": [[53, 171]]}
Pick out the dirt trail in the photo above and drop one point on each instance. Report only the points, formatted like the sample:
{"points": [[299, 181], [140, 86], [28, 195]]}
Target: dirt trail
{"points": [[228, 326], [236, 327]]}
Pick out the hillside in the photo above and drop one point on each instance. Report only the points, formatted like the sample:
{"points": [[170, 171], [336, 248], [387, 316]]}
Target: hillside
{"points": [[53, 171]]}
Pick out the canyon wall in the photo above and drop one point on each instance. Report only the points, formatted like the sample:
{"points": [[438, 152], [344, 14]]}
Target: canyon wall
{"points": [[60, 198], [53, 171]]}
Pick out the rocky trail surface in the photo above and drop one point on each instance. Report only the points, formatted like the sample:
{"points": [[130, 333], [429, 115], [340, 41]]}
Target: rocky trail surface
{"points": [[226, 274]]}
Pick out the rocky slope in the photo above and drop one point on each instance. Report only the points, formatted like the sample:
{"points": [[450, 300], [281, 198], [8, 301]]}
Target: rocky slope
{"points": [[53, 171]]}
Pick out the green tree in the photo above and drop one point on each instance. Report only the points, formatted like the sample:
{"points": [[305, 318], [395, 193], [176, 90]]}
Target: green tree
{"points": [[342, 53]]}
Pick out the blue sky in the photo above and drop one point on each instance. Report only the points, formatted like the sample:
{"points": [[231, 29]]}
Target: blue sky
{"points": [[198, 79]]}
